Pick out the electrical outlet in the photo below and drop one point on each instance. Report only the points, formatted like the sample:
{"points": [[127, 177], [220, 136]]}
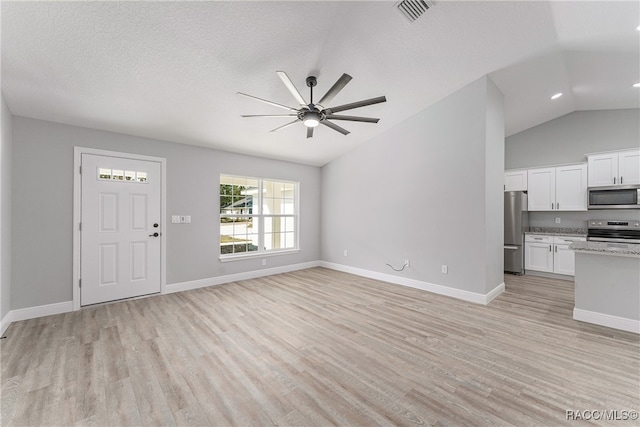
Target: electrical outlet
{"points": [[445, 269], [345, 252], [187, 219], [175, 219], [558, 220]]}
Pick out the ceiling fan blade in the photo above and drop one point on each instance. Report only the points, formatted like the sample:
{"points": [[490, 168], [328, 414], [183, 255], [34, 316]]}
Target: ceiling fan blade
{"points": [[337, 87], [309, 132], [275, 104], [352, 118], [335, 127], [356, 105], [269, 115], [289, 84], [284, 126]]}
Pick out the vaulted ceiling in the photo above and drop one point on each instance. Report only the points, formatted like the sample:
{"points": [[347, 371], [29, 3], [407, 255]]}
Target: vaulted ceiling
{"points": [[171, 70]]}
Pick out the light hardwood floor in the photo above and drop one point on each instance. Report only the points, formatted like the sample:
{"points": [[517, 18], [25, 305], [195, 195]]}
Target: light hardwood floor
{"points": [[319, 347]]}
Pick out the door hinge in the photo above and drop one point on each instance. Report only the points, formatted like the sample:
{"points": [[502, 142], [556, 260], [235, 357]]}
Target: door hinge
{"points": [[80, 169], [79, 226], [79, 283]]}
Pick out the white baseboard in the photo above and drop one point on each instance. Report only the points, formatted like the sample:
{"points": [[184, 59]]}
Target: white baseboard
{"points": [[4, 323], [474, 297], [494, 293], [64, 307], [34, 312], [219, 280], [615, 322]]}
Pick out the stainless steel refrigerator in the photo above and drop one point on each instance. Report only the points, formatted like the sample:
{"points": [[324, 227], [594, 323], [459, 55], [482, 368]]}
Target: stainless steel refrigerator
{"points": [[516, 222]]}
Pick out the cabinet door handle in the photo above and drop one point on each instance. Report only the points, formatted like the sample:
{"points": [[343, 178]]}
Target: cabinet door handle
{"points": [[551, 205], [614, 179], [620, 180], [549, 248], [557, 205], [556, 248]]}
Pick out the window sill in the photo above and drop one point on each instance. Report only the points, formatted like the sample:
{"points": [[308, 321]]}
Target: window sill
{"points": [[230, 258]]}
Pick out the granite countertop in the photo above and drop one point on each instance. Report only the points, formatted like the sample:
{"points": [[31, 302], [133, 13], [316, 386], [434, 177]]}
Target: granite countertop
{"points": [[558, 231], [606, 248]]}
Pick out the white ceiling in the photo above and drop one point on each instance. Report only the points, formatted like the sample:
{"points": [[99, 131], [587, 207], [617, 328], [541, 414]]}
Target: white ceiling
{"points": [[171, 70]]}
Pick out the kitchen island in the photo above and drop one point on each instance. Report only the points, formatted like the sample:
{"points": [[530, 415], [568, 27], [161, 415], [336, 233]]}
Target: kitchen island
{"points": [[607, 284]]}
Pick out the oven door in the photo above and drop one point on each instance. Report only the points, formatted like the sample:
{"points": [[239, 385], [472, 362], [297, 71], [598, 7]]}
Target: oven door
{"points": [[619, 197], [618, 236]]}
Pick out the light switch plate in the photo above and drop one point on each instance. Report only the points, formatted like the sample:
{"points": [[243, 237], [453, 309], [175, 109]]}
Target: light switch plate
{"points": [[175, 219]]}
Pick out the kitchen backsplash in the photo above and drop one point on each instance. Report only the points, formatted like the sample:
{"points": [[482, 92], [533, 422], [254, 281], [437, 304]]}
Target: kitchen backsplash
{"points": [[579, 219]]}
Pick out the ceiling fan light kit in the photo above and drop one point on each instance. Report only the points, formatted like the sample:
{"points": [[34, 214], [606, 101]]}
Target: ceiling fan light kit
{"points": [[310, 114]]}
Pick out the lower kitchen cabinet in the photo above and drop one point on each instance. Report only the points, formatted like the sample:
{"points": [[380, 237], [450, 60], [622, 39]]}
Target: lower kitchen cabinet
{"points": [[538, 253], [550, 254], [564, 261]]}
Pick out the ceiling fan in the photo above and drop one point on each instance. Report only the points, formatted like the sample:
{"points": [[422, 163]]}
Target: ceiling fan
{"points": [[310, 114]]}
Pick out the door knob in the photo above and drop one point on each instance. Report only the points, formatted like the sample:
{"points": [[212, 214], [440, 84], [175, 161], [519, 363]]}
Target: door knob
{"points": [[154, 235]]}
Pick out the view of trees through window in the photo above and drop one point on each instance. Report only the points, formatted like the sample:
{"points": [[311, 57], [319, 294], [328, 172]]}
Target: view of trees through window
{"points": [[257, 215]]}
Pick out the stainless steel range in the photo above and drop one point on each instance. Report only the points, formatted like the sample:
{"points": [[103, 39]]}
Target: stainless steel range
{"points": [[623, 231]]}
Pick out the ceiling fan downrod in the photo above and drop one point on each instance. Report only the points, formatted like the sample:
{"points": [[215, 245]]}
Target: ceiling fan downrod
{"points": [[311, 82]]}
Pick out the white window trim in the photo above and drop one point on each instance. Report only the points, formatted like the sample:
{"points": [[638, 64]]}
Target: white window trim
{"points": [[261, 253], [257, 254]]}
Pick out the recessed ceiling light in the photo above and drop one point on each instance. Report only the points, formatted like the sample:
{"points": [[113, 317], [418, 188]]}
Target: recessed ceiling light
{"points": [[636, 84], [557, 95]]}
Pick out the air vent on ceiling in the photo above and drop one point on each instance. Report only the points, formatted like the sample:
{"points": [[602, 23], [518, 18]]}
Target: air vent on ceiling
{"points": [[413, 9]]}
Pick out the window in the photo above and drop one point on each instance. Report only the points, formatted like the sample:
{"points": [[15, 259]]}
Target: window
{"points": [[257, 216], [105, 174]]}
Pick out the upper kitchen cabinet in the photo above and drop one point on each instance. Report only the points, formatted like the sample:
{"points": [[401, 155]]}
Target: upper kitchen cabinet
{"points": [[562, 188], [515, 180], [542, 189], [615, 168], [571, 188]]}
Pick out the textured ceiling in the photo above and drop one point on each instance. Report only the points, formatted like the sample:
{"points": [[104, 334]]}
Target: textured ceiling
{"points": [[171, 70]]}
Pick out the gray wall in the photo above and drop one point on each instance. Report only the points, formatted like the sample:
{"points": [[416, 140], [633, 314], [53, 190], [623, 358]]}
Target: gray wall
{"points": [[43, 207], [608, 284], [494, 179], [421, 191], [566, 140], [5, 209]]}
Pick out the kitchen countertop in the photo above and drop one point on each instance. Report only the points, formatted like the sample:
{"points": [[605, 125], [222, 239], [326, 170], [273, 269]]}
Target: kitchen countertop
{"points": [[606, 248], [558, 231]]}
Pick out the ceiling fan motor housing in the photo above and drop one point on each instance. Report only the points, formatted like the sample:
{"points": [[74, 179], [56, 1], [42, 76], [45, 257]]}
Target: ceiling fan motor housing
{"points": [[312, 81]]}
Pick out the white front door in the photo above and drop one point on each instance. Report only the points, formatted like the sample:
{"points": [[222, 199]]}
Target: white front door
{"points": [[120, 228]]}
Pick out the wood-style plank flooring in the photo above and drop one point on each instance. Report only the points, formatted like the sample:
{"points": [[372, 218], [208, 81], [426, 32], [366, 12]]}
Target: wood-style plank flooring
{"points": [[318, 347]]}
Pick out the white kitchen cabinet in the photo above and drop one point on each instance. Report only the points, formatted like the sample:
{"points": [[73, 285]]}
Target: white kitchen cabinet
{"points": [[562, 188], [571, 188], [550, 254], [538, 253], [564, 260], [542, 189], [515, 180], [629, 167], [615, 168]]}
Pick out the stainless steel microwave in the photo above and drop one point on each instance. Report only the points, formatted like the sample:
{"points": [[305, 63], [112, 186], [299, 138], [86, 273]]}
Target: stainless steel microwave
{"points": [[615, 197]]}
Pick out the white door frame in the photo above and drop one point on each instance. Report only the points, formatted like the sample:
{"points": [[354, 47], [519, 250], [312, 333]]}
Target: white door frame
{"points": [[77, 213]]}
